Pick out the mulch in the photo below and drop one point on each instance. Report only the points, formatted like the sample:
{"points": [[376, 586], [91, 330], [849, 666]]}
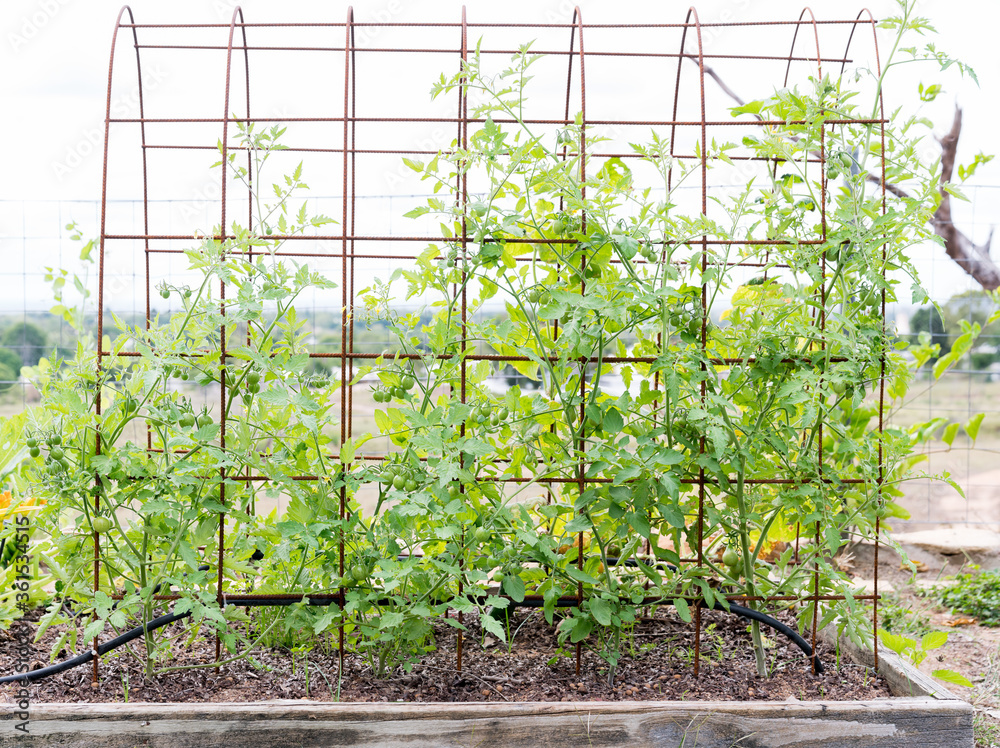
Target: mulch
{"points": [[657, 663]]}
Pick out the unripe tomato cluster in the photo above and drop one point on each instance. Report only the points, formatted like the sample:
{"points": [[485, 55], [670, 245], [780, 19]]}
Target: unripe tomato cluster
{"points": [[732, 561], [250, 381], [401, 477], [537, 295], [182, 414], [56, 460], [176, 372], [359, 572], [101, 524], [648, 253], [253, 382], [842, 161], [484, 415], [165, 291], [398, 391]]}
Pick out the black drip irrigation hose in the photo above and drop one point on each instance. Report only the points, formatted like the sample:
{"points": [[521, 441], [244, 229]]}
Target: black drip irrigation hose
{"points": [[249, 600]]}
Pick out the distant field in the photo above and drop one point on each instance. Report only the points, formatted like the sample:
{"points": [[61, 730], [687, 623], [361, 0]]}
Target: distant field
{"points": [[957, 397]]}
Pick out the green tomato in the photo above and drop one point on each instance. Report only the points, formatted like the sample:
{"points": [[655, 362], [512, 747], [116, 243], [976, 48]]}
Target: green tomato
{"points": [[253, 377], [31, 441], [203, 421], [559, 226], [55, 440], [399, 393], [359, 573], [504, 414], [34, 451], [165, 293], [398, 482], [187, 420], [253, 388], [102, 524], [410, 485], [482, 535], [534, 295], [838, 386], [56, 453], [478, 209], [453, 491], [498, 578], [408, 383], [730, 557]]}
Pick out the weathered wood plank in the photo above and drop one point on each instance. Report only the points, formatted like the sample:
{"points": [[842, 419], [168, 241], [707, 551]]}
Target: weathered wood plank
{"points": [[884, 723], [902, 677]]}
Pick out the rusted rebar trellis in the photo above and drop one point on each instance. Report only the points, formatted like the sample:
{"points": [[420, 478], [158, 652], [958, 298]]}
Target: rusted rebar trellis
{"points": [[356, 246]]}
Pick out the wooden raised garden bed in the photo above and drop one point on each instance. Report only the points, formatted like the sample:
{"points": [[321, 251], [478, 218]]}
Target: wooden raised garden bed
{"points": [[923, 714]]}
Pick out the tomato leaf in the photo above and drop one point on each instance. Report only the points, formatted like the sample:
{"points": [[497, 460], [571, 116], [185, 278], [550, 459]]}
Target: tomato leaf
{"points": [[513, 585], [973, 424], [950, 676], [682, 609], [493, 626], [949, 433], [601, 610], [934, 639]]}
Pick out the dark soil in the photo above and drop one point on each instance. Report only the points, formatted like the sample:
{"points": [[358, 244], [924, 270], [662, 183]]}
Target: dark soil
{"points": [[656, 664]]}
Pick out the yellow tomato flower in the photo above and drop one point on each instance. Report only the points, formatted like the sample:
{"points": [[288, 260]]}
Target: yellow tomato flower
{"points": [[22, 507]]}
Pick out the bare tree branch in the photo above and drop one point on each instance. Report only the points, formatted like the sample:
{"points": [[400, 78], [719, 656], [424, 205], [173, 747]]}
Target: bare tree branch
{"points": [[973, 258]]}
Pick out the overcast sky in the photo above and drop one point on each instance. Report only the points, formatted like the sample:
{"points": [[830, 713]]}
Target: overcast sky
{"points": [[55, 57]]}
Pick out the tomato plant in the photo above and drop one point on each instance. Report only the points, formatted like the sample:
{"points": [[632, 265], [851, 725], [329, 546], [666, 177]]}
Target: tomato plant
{"points": [[744, 449]]}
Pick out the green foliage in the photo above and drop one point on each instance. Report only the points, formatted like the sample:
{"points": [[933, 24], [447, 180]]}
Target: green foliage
{"points": [[11, 360], [759, 389], [26, 341], [976, 595], [928, 320], [901, 619], [10, 368], [917, 651]]}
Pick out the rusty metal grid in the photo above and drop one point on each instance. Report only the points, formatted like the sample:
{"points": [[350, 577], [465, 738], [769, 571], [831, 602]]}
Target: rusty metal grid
{"points": [[355, 248]]}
